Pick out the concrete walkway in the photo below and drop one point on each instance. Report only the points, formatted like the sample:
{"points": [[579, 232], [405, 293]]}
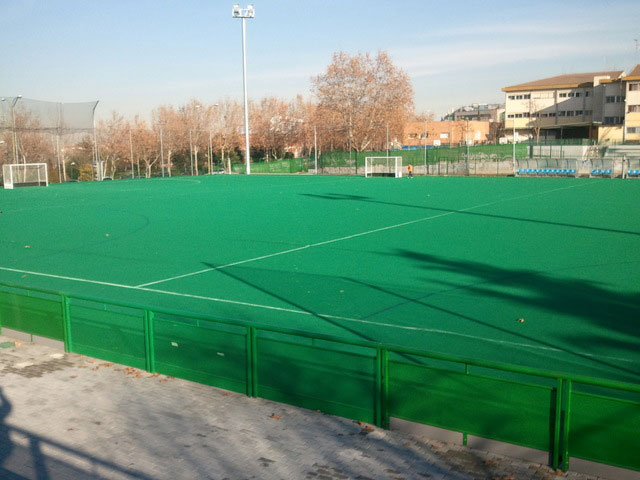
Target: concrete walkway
{"points": [[66, 416]]}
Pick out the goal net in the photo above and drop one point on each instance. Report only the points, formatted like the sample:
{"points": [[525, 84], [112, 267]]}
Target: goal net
{"points": [[383, 167], [25, 175]]}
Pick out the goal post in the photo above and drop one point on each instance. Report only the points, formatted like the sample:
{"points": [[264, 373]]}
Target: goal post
{"points": [[383, 167], [25, 175]]}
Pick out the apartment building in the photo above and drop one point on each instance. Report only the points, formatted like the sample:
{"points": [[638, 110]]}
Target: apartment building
{"points": [[488, 112], [632, 113], [580, 105]]}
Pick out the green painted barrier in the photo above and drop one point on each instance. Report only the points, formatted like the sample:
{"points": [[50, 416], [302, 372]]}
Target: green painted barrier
{"points": [[566, 415], [37, 313]]}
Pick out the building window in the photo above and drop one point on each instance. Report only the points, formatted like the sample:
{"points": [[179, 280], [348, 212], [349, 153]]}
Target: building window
{"points": [[569, 113], [552, 114], [634, 108], [610, 99], [578, 94], [633, 129], [562, 113], [588, 112], [612, 120], [512, 97], [563, 95], [579, 113], [614, 99], [510, 115], [527, 96], [586, 94], [634, 86]]}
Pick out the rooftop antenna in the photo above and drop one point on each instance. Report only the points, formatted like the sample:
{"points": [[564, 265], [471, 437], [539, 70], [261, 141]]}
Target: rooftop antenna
{"points": [[637, 42]]}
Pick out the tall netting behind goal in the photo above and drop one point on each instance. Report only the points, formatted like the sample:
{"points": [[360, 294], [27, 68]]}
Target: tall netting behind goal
{"points": [[25, 175], [383, 167], [36, 131]]}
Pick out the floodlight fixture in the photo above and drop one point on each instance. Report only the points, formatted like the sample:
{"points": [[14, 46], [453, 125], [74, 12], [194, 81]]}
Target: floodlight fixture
{"points": [[245, 13], [238, 12]]}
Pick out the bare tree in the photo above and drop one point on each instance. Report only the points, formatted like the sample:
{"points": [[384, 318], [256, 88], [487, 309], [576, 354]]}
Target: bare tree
{"points": [[113, 143], [366, 95]]}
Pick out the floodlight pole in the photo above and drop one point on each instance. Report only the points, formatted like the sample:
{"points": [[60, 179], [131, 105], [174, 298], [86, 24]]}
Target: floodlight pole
{"points": [[245, 13]]}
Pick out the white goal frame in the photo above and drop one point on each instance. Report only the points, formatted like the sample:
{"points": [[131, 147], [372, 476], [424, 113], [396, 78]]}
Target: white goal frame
{"points": [[25, 174], [387, 166]]}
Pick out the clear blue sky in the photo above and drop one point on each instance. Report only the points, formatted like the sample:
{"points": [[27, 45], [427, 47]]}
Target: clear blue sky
{"points": [[135, 55]]}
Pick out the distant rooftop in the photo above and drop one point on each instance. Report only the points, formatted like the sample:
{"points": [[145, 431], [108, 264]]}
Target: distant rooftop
{"points": [[635, 72], [571, 80]]}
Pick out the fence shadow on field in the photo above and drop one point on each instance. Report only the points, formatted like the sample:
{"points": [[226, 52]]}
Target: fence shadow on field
{"points": [[360, 198]]}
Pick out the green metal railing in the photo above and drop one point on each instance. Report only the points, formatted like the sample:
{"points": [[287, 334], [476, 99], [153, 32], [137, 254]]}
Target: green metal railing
{"points": [[566, 415]]}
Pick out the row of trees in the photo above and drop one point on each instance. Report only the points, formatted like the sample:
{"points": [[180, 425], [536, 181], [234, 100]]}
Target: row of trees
{"points": [[360, 103]]}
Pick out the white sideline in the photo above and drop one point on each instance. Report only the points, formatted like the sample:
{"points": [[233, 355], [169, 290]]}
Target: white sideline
{"points": [[326, 242], [311, 314]]}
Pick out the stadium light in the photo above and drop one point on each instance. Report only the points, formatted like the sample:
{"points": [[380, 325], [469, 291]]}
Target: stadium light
{"points": [[244, 13]]}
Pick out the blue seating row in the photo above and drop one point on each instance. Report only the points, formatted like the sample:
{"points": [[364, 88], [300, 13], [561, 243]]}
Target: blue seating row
{"points": [[598, 171], [634, 173], [547, 171]]}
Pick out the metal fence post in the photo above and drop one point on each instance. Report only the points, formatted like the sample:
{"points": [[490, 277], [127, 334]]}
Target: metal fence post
{"points": [[555, 448], [252, 362], [66, 323], [150, 360], [382, 388], [566, 400]]}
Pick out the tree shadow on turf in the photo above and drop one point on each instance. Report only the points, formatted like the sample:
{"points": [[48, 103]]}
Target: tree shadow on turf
{"points": [[615, 311], [360, 198]]}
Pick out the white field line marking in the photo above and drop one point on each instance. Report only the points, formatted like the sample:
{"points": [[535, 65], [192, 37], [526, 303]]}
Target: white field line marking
{"points": [[335, 240], [311, 314]]}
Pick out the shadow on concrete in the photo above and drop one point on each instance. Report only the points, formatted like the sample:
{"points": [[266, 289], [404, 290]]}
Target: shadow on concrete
{"points": [[22, 456]]}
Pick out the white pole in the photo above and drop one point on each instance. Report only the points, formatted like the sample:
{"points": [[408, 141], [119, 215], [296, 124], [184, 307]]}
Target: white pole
{"points": [[387, 139], [315, 147], [210, 154], [15, 135], [133, 175], [191, 152], [426, 168], [58, 155], [161, 154], [246, 104], [514, 141]]}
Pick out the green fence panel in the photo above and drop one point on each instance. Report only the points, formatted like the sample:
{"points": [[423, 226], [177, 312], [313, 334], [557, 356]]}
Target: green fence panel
{"points": [[108, 332], [201, 351], [605, 429], [319, 375], [492, 408], [32, 312]]}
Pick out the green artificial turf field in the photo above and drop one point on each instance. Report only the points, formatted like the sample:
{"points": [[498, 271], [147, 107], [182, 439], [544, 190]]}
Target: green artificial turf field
{"points": [[542, 272]]}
